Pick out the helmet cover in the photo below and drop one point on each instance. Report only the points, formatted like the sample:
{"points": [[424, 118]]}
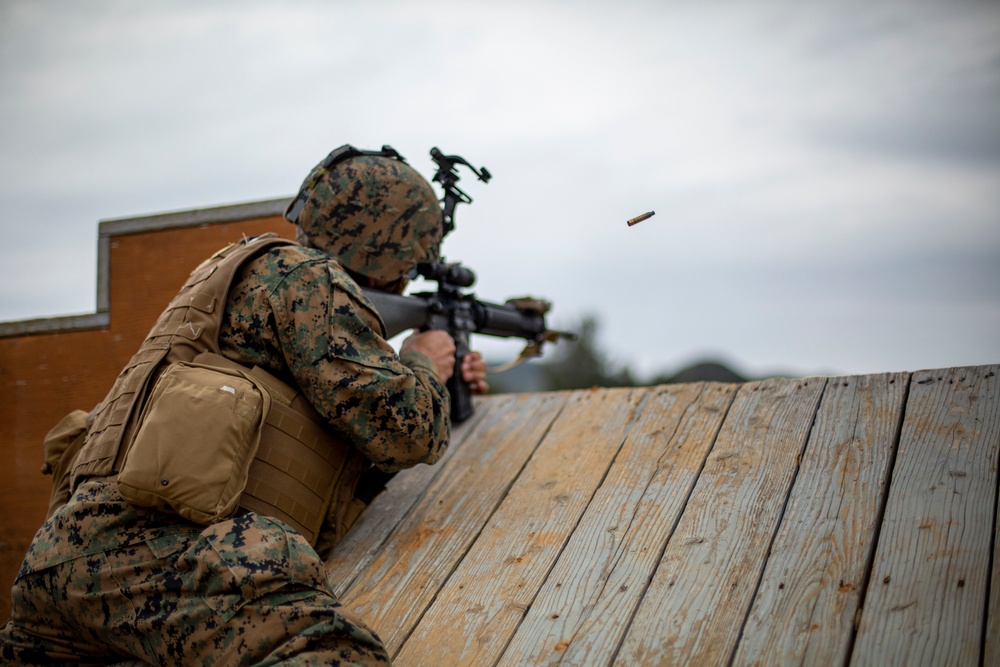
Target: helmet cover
{"points": [[376, 215]]}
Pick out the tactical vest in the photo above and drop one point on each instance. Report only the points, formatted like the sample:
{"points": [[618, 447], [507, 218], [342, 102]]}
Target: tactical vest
{"points": [[301, 473]]}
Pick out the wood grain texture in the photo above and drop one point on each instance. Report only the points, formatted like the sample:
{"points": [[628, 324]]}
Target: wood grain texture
{"points": [[694, 608], [810, 591], [583, 610], [355, 553], [392, 593], [479, 609], [927, 594], [991, 648]]}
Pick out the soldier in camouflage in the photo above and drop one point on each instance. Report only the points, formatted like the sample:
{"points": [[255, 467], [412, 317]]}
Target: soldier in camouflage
{"points": [[106, 581]]}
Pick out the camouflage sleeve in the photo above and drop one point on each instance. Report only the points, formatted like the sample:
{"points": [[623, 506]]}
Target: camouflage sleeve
{"points": [[396, 411]]}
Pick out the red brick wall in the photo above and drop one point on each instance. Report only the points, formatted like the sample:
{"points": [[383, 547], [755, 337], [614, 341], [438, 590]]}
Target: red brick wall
{"points": [[44, 376]]}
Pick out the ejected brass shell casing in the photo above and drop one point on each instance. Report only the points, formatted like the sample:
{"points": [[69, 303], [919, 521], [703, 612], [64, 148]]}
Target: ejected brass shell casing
{"points": [[639, 218]]}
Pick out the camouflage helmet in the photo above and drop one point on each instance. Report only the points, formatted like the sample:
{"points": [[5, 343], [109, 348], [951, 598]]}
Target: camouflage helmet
{"points": [[371, 211]]}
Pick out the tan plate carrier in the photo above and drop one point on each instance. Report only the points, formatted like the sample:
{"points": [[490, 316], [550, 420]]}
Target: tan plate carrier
{"points": [[300, 472]]}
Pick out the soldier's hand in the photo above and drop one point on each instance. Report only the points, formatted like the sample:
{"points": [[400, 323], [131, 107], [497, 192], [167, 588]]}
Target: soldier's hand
{"points": [[474, 372], [437, 346]]}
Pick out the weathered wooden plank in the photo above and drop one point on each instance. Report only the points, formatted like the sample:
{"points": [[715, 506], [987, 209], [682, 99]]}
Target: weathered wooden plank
{"points": [[365, 539], [695, 605], [991, 649], [805, 607], [927, 593], [480, 607], [392, 593], [583, 609]]}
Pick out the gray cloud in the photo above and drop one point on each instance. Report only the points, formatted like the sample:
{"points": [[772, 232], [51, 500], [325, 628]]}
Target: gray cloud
{"points": [[824, 175]]}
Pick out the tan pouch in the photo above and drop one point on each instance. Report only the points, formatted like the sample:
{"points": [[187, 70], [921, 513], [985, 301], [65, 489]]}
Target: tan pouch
{"points": [[197, 436], [61, 446]]}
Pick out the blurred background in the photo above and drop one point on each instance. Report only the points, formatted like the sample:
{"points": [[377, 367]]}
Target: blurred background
{"points": [[825, 176]]}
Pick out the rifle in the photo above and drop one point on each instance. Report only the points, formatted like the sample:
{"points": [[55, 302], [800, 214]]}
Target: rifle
{"points": [[458, 313]]}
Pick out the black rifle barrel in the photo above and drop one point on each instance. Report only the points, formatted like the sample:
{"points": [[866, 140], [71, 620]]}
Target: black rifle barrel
{"points": [[400, 313], [507, 321], [432, 311]]}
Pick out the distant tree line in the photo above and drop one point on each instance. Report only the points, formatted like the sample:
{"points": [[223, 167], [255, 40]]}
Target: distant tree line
{"points": [[583, 364]]}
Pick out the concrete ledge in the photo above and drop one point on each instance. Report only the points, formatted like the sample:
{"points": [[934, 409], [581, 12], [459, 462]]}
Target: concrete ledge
{"points": [[191, 218], [45, 325], [112, 227]]}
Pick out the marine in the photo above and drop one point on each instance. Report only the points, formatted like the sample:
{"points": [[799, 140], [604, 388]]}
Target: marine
{"points": [[193, 506]]}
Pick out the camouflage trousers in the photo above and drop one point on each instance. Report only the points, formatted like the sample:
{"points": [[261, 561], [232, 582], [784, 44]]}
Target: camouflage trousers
{"points": [[104, 581]]}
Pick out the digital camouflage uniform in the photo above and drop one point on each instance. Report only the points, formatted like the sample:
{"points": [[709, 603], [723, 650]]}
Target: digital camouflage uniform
{"points": [[104, 580]]}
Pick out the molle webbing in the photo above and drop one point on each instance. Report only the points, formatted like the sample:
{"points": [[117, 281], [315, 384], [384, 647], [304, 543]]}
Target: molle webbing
{"points": [[97, 457], [299, 465], [301, 473], [189, 325]]}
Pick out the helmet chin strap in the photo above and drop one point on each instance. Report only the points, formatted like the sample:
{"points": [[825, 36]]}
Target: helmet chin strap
{"points": [[301, 237]]}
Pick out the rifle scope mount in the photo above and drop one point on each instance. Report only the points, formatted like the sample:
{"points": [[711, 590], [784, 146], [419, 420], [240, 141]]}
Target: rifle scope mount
{"points": [[454, 275]]}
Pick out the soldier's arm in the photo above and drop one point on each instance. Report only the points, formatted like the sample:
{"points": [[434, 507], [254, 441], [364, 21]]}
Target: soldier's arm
{"points": [[394, 409]]}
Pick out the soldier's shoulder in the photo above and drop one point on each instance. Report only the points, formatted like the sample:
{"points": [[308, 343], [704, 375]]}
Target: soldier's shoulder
{"points": [[293, 254], [278, 263], [296, 264]]}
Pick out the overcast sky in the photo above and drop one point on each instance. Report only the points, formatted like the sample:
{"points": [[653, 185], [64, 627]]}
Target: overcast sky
{"points": [[825, 176]]}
